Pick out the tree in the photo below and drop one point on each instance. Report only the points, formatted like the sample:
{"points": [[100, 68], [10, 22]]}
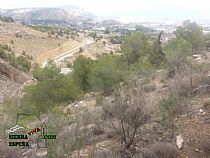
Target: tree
{"points": [[106, 31], [193, 33], [135, 46], [52, 89], [50, 72], [45, 95], [23, 63], [177, 51], [126, 114], [81, 70], [93, 35], [105, 74], [157, 56]]}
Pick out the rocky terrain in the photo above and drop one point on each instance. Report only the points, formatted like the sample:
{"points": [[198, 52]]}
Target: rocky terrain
{"points": [[11, 80]]}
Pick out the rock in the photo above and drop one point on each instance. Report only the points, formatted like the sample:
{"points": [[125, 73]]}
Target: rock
{"points": [[160, 132], [197, 150], [179, 141], [12, 81], [41, 154], [12, 73], [91, 127]]}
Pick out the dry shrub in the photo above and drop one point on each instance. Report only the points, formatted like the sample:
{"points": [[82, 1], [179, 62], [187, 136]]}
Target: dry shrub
{"points": [[170, 107], [6, 152], [206, 103], [186, 81], [145, 153], [103, 153], [206, 146], [127, 113], [164, 150]]}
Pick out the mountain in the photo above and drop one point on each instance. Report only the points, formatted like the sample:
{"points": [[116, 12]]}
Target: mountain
{"points": [[77, 11], [40, 15], [110, 22]]}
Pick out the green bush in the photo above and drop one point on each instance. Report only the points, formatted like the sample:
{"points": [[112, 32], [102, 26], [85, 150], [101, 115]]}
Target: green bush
{"points": [[93, 35], [3, 54], [45, 95], [170, 107], [49, 72], [177, 51], [81, 70], [21, 62], [134, 47], [105, 74], [193, 33], [52, 89], [157, 56]]}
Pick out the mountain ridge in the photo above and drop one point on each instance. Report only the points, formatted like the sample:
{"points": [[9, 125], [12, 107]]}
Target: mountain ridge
{"points": [[47, 15]]}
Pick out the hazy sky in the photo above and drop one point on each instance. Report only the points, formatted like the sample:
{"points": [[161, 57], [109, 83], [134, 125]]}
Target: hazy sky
{"points": [[126, 8]]}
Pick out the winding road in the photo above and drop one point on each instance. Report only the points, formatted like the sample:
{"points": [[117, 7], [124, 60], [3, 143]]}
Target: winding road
{"points": [[69, 53]]}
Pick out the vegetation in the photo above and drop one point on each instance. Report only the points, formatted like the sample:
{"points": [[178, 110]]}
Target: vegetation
{"points": [[116, 40], [51, 90], [127, 114], [193, 33], [126, 84], [22, 62], [157, 56], [170, 107], [135, 46], [55, 31], [186, 75], [143, 29], [6, 19], [105, 74], [93, 35], [177, 51], [82, 67]]}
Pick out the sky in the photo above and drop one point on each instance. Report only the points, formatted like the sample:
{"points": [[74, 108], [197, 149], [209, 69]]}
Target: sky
{"points": [[174, 9]]}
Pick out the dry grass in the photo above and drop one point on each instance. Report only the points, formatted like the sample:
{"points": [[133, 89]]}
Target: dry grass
{"points": [[164, 150], [34, 43]]}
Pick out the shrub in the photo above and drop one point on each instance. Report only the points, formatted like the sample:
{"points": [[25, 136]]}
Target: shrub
{"points": [[177, 51], [50, 72], [12, 41], [81, 71], [93, 35], [206, 103], [145, 153], [126, 114], [6, 152], [3, 54], [164, 150], [52, 89], [68, 138], [193, 33], [134, 47], [46, 94], [170, 107], [80, 49], [105, 74]]}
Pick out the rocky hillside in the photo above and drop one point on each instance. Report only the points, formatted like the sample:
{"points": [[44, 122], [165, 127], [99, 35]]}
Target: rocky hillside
{"points": [[39, 15], [63, 15], [11, 80]]}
